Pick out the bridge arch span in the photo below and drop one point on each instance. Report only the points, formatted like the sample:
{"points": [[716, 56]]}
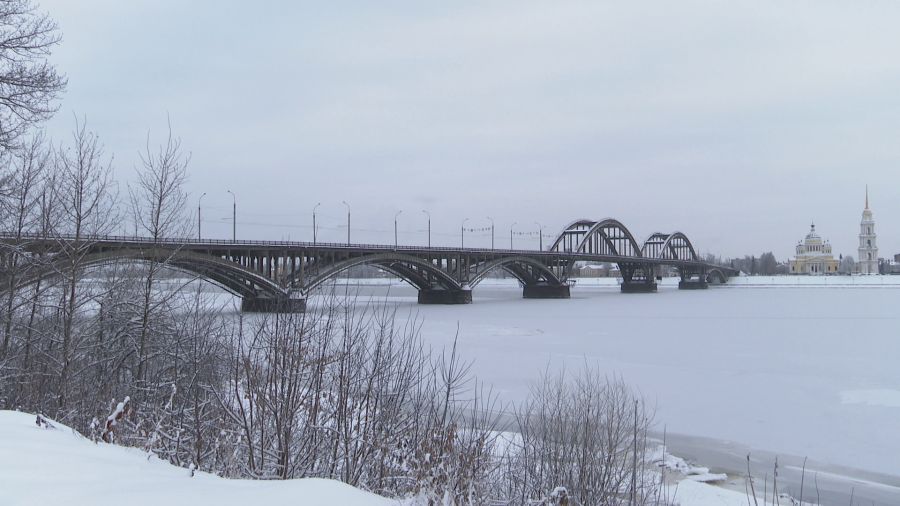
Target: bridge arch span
{"points": [[223, 273], [606, 237], [716, 275], [610, 236], [564, 240], [419, 273], [526, 270], [674, 246], [653, 244], [678, 247]]}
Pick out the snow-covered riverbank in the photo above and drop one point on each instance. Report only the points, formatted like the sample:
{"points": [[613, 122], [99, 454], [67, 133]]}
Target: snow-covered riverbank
{"points": [[49, 463]]}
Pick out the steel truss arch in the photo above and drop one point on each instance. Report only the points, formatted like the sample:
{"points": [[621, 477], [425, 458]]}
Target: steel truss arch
{"points": [[575, 228], [606, 237], [610, 236], [678, 247], [653, 245]]}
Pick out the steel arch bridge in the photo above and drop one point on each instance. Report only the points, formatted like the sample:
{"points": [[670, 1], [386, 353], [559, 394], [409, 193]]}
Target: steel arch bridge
{"points": [[278, 275]]}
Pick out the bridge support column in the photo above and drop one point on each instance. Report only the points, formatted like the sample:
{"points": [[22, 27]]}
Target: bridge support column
{"points": [[643, 286], [438, 296], [693, 284], [546, 291], [637, 278], [272, 305], [693, 279]]}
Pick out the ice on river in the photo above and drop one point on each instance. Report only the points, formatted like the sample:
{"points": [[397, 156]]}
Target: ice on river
{"points": [[805, 371]]}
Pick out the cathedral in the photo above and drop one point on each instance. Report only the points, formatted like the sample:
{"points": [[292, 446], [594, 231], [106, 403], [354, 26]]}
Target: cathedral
{"points": [[814, 256], [867, 262]]}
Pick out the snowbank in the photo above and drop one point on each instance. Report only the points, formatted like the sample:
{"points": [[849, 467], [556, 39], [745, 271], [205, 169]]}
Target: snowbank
{"points": [[58, 466], [814, 281], [693, 493]]}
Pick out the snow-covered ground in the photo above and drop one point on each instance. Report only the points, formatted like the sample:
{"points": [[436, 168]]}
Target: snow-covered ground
{"points": [[804, 371], [41, 465], [811, 281]]}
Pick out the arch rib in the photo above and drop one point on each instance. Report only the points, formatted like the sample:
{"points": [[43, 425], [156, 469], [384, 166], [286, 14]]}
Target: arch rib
{"points": [[511, 265], [598, 229], [226, 274], [570, 229], [394, 263], [672, 244]]}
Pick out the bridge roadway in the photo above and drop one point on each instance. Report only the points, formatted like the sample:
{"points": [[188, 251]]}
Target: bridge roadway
{"points": [[273, 276]]}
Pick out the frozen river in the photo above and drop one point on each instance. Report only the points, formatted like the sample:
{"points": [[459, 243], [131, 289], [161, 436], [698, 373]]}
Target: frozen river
{"points": [[805, 371]]}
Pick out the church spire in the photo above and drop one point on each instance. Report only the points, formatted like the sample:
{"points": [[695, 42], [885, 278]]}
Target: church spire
{"points": [[867, 196]]}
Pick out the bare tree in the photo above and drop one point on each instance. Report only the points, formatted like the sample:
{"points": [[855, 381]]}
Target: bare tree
{"points": [[158, 209], [158, 199], [847, 265], [20, 210], [86, 196], [29, 84]]}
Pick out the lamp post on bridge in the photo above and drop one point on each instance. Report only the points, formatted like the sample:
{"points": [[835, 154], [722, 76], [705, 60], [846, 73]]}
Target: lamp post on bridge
{"points": [[511, 234], [462, 234], [429, 226], [233, 216], [198, 214], [540, 236], [492, 231], [348, 221], [395, 227], [314, 221]]}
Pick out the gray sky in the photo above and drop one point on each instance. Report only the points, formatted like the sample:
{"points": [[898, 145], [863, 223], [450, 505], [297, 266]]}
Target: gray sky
{"points": [[735, 122]]}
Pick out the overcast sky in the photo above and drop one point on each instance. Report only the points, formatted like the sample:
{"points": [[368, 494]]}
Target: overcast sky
{"points": [[735, 122]]}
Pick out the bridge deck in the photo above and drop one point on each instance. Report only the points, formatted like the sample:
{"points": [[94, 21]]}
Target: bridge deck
{"points": [[269, 275]]}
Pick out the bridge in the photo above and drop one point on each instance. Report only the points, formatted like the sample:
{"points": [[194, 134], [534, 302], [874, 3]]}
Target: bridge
{"points": [[272, 276]]}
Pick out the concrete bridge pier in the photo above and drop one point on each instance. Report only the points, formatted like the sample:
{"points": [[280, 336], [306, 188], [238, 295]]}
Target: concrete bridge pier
{"points": [[642, 286], [546, 291], [692, 284], [693, 280], [272, 305], [444, 296], [637, 278]]}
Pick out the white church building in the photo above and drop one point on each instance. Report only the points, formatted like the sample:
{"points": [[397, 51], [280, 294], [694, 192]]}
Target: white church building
{"points": [[813, 256]]}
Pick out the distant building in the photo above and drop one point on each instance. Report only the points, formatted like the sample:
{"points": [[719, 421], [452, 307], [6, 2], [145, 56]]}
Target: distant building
{"points": [[868, 248], [814, 256], [593, 271]]}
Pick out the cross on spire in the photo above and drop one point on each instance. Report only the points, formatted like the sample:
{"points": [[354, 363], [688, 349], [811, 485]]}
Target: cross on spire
{"points": [[867, 196]]}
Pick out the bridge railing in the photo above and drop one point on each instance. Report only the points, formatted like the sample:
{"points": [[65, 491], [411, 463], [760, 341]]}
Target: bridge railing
{"points": [[186, 242]]}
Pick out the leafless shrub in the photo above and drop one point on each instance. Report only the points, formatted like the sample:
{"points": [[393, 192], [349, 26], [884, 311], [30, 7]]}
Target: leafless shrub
{"points": [[586, 433]]}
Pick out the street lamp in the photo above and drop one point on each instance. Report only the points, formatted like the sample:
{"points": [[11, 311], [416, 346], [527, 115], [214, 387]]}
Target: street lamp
{"points": [[233, 216], [395, 227], [540, 236], [492, 231], [511, 234], [314, 221], [429, 226], [348, 221], [198, 214], [462, 234]]}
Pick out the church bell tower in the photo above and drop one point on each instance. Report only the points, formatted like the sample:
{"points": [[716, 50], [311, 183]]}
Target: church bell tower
{"points": [[868, 248]]}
